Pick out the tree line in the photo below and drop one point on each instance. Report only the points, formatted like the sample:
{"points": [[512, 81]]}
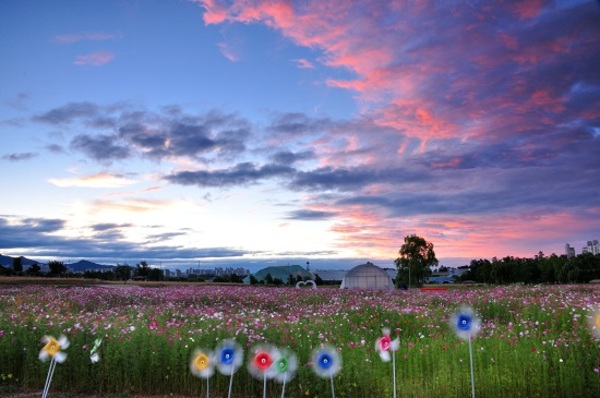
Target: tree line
{"points": [[58, 269], [582, 268], [416, 257]]}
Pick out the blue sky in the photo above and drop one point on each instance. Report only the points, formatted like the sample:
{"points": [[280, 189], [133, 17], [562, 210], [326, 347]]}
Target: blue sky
{"points": [[179, 132]]}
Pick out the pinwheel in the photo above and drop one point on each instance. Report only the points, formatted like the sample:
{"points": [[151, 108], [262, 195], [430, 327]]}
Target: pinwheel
{"points": [[52, 350], [383, 346], [326, 363], [467, 324], [202, 365], [229, 358], [259, 364], [284, 366], [94, 356], [594, 323]]}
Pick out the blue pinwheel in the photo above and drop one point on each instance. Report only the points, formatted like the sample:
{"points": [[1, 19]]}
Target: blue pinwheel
{"points": [[326, 363], [229, 357], [466, 325]]}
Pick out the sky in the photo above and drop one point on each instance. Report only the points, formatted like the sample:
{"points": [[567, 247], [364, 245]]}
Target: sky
{"points": [[257, 132]]}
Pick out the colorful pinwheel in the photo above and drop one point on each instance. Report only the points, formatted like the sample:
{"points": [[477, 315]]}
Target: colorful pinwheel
{"points": [[202, 364], [594, 323], [259, 364], [326, 363], [284, 366], [466, 325], [229, 357], [383, 346], [52, 350], [94, 356]]}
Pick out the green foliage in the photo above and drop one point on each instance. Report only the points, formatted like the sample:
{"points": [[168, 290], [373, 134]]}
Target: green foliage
{"points": [[534, 341], [539, 269], [416, 257], [17, 265], [268, 279], [56, 268]]}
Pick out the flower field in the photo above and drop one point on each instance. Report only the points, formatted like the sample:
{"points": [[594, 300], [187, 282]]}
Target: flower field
{"points": [[534, 341]]}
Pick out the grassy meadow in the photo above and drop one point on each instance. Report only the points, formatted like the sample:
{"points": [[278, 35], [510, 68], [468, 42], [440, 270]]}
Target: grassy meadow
{"points": [[535, 341]]}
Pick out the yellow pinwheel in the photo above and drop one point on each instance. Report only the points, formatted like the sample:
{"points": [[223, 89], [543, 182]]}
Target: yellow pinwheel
{"points": [[53, 349]]}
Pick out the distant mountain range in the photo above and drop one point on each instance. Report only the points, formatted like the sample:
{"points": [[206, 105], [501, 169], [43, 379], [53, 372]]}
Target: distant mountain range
{"points": [[79, 266]]}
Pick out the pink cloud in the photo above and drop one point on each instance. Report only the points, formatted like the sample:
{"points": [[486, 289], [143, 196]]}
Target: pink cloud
{"points": [[95, 59]]}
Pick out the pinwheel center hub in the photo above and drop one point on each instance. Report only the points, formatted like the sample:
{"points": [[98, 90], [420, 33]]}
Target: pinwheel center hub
{"points": [[52, 347], [201, 362], [263, 360]]}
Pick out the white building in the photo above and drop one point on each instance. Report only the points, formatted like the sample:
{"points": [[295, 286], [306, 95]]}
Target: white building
{"points": [[592, 247]]}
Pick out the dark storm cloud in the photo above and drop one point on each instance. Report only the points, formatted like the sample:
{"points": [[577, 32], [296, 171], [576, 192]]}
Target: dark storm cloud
{"points": [[311, 215], [101, 148], [16, 157], [240, 174]]}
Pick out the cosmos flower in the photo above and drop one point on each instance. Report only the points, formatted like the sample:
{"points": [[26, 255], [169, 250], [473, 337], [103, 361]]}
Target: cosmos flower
{"points": [[384, 344], [53, 349], [202, 363], [326, 362], [465, 323]]}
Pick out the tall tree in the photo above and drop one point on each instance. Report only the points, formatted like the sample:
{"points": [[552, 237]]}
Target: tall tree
{"points": [[17, 265], [56, 268], [416, 257], [143, 269]]}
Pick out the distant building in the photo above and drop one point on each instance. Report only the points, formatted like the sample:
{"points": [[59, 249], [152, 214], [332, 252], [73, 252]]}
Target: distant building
{"points": [[282, 272], [569, 251], [592, 247], [367, 276]]}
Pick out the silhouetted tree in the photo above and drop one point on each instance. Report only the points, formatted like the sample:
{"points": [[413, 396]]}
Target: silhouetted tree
{"points": [[268, 279], [416, 257], [123, 272], [142, 269], [33, 270], [57, 268], [17, 265]]}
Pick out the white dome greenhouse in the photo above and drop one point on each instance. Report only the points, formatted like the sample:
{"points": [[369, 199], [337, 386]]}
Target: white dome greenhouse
{"points": [[367, 276]]}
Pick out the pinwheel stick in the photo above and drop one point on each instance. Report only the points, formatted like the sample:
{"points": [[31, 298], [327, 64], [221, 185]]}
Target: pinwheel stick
{"points": [[265, 385], [332, 389], [394, 370], [230, 383], [472, 371], [207, 387], [49, 377], [283, 390]]}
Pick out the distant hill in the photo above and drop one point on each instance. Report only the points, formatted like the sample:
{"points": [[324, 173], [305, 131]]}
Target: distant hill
{"points": [[7, 261], [84, 265], [80, 266]]}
